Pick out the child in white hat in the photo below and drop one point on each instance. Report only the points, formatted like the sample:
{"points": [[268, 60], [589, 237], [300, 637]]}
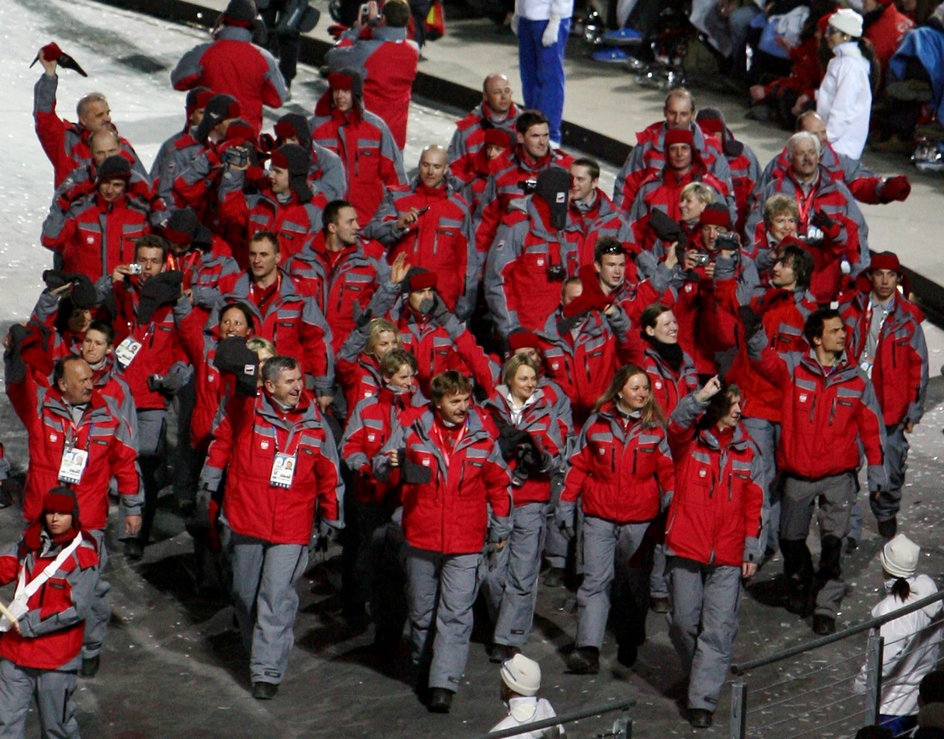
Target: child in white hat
{"points": [[911, 641], [521, 681]]}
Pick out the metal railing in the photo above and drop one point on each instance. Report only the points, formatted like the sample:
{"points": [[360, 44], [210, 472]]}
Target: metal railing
{"points": [[820, 693], [622, 725]]}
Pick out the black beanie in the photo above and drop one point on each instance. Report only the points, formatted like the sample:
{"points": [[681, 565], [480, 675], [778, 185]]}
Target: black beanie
{"points": [[240, 12], [183, 227], [114, 168]]}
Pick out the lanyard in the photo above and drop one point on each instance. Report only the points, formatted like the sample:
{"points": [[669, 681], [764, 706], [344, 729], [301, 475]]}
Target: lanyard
{"points": [[804, 205], [290, 449]]}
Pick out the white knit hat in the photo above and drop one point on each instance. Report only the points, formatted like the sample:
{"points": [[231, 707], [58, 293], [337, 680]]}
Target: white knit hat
{"points": [[900, 557], [847, 21], [521, 675]]}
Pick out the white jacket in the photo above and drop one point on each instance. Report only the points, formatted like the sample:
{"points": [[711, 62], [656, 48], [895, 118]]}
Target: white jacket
{"points": [[910, 648], [542, 10], [844, 100], [526, 710]]}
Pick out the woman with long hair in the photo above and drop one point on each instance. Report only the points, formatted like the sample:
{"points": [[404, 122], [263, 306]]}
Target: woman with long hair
{"points": [[621, 473], [530, 442]]}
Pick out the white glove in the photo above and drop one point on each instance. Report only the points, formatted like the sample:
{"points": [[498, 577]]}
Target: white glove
{"points": [[549, 38], [514, 24]]}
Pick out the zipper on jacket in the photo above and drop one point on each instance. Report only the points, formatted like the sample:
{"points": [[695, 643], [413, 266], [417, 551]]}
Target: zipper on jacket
{"points": [[813, 408], [832, 412]]}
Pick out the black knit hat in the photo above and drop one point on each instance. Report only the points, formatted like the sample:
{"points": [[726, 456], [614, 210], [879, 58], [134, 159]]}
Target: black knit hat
{"points": [[240, 13], [218, 108], [297, 161], [183, 227], [157, 291], [114, 168]]}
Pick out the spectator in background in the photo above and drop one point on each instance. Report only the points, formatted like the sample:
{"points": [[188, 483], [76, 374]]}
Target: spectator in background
{"points": [[844, 98], [931, 706], [521, 681], [911, 641], [543, 27]]}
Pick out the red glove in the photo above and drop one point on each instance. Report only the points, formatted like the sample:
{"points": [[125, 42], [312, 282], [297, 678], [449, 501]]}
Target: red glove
{"points": [[894, 188]]}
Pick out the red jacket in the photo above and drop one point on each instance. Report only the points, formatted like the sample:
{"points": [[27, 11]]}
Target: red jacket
{"points": [[706, 328], [862, 182], [100, 431], [622, 472], [440, 241], [667, 385], [518, 288], [233, 65], [900, 365], [65, 143], [51, 631], [386, 61], [341, 285], [292, 321], [825, 417], [585, 228], [469, 138], [584, 365], [369, 426], [450, 513], [160, 347], [245, 443], [246, 214], [648, 157], [715, 516], [94, 236], [661, 190], [508, 172], [540, 419], [364, 143]]}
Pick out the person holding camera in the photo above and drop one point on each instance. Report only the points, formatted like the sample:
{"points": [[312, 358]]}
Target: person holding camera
{"points": [[531, 444], [455, 493]]}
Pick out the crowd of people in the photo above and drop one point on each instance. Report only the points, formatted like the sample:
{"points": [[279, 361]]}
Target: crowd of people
{"points": [[464, 378]]}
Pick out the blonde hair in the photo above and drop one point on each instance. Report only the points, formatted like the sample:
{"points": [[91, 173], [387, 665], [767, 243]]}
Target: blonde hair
{"points": [[700, 190], [778, 205], [514, 363], [377, 327]]}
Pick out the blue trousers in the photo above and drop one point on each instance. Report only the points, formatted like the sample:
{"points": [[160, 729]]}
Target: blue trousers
{"points": [[542, 71]]}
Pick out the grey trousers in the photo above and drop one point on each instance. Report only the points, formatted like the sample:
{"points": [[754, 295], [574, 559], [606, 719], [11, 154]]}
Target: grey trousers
{"points": [[511, 586], [152, 449], [604, 544], [556, 546], [265, 601], [53, 691], [766, 434], [658, 585], [441, 587], [886, 505], [703, 623], [835, 495], [96, 623]]}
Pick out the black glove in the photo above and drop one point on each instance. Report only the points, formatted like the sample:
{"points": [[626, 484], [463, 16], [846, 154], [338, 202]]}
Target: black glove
{"points": [[440, 311], [751, 320], [508, 439], [83, 292], [55, 278], [527, 455], [155, 383], [157, 291], [233, 356], [664, 227], [415, 474]]}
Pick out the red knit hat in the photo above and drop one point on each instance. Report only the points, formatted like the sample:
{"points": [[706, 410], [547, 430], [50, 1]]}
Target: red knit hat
{"points": [[715, 214], [886, 260], [521, 338], [679, 136], [420, 279], [62, 500], [497, 137]]}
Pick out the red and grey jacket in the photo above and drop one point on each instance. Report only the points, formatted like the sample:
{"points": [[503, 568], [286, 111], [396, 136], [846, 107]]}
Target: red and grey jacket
{"points": [[65, 143], [899, 369], [717, 511], [94, 236], [246, 214], [366, 147], [669, 386], [469, 138], [51, 631], [100, 431], [369, 426], [291, 320], [833, 198], [583, 361], [173, 158], [386, 61], [245, 444], [783, 313], [621, 470], [440, 241], [341, 284], [509, 170], [233, 65], [161, 352], [648, 157], [586, 226], [828, 416], [202, 268], [466, 497], [538, 417], [518, 288], [862, 182], [661, 190], [43, 343]]}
